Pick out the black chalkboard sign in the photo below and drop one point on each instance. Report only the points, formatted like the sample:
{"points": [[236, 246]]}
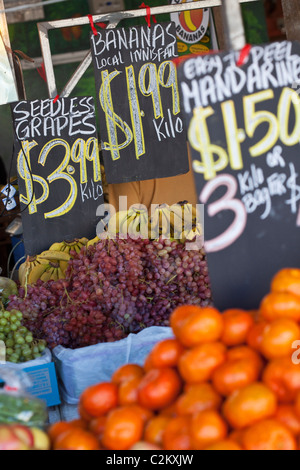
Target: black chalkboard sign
{"points": [[56, 149], [141, 127], [244, 132]]}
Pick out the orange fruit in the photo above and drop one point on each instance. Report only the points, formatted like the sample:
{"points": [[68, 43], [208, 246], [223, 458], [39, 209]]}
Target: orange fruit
{"points": [[268, 435], [159, 388], [170, 410], [234, 375], [227, 444], [286, 415], [176, 435], [127, 372], [199, 326], [155, 428], [287, 280], [197, 365], [297, 404], [97, 426], [57, 429], [280, 305], [248, 405], [128, 391], [98, 400], [83, 414], [166, 353], [237, 436], [207, 428], [255, 335], [124, 428], [283, 378], [145, 413], [278, 337], [237, 324], [76, 439], [199, 397], [245, 353]]}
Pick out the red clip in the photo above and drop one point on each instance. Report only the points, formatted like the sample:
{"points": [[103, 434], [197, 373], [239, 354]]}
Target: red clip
{"points": [[42, 72], [55, 99], [90, 17], [148, 17], [244, 54]]}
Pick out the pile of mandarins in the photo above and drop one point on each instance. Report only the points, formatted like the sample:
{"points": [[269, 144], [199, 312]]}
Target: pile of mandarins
{"points": [[227, 381]]}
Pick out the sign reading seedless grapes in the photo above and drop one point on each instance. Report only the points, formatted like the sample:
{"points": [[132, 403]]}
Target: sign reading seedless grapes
{"points": [[56, 150], [141, 127], [244, 132]]}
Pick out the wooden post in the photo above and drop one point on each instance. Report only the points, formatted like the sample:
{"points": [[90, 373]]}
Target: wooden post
{"points": [[235, 38], [291, 13], [5, 35]]}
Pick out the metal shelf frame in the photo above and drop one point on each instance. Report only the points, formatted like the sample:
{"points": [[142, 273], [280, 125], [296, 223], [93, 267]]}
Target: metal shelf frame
{"points": [[234, 30]]}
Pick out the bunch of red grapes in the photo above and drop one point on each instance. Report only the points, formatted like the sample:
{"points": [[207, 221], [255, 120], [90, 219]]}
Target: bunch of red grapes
{"points": [[115, 288]]}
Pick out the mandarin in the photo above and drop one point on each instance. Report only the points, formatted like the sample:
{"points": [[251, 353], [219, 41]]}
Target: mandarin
{"points": [[166, 353], [207, 428], [124, 427], [287, 280], [268, 435], [197, 364], [76, 439], [280, 305], [196, 398], [227, 444], [127, 372], [283, 378], [159, 388], [176, 435], [198, 326], [155, 428], [237, 324], [278, 337], [248, 405], [98, 400]]}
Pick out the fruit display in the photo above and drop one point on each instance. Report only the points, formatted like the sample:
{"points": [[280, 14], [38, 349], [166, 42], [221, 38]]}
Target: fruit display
{"points": [[112, 286], [20, 437], [20, 344], [225, 381]]}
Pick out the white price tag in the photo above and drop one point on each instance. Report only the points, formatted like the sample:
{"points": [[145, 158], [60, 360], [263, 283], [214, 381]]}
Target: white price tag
{"points": [[9, 204], [9, 191]]}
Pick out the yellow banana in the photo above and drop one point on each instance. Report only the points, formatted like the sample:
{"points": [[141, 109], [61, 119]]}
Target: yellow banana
{"points": [[54, 256], [63, 265], [57, 247], [46, 276], [189, 22], [93, 242], [36, 273], [116, 221], [61, 274]]}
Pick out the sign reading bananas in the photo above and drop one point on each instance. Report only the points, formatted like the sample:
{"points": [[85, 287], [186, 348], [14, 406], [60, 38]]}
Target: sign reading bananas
{"points": [[141, 126], [244, 131], [58, 164]]}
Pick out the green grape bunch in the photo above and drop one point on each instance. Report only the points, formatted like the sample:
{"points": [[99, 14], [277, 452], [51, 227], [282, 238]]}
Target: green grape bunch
{"points": [[19, 342]]}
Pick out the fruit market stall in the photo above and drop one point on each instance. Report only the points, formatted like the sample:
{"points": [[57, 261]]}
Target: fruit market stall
{"points": [[175, 327]]}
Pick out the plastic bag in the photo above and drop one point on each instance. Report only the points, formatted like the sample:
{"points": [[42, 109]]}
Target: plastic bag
{"points": [[80, 368], [17, 406]]}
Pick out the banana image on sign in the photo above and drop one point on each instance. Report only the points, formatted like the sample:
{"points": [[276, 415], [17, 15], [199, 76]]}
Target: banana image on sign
{"points": [[192, 29], [8, 92]]}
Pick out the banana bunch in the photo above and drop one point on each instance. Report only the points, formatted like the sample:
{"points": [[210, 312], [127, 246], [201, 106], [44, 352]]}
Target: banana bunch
{"points": [[175, 222], [49, 265], [69, 245], [133, 222]]}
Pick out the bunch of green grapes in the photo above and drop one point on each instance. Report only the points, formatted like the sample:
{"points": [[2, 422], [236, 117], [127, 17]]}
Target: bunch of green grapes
{"points": [[19, 342]]}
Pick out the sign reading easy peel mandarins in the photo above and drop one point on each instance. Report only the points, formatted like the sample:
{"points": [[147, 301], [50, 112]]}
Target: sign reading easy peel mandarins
{"points": [[58, 164], [243, 120]]}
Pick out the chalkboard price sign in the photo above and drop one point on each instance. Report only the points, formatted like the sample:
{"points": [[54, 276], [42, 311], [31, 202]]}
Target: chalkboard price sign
{"points": [[141, 127], [58, 164], [244, 132]]}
